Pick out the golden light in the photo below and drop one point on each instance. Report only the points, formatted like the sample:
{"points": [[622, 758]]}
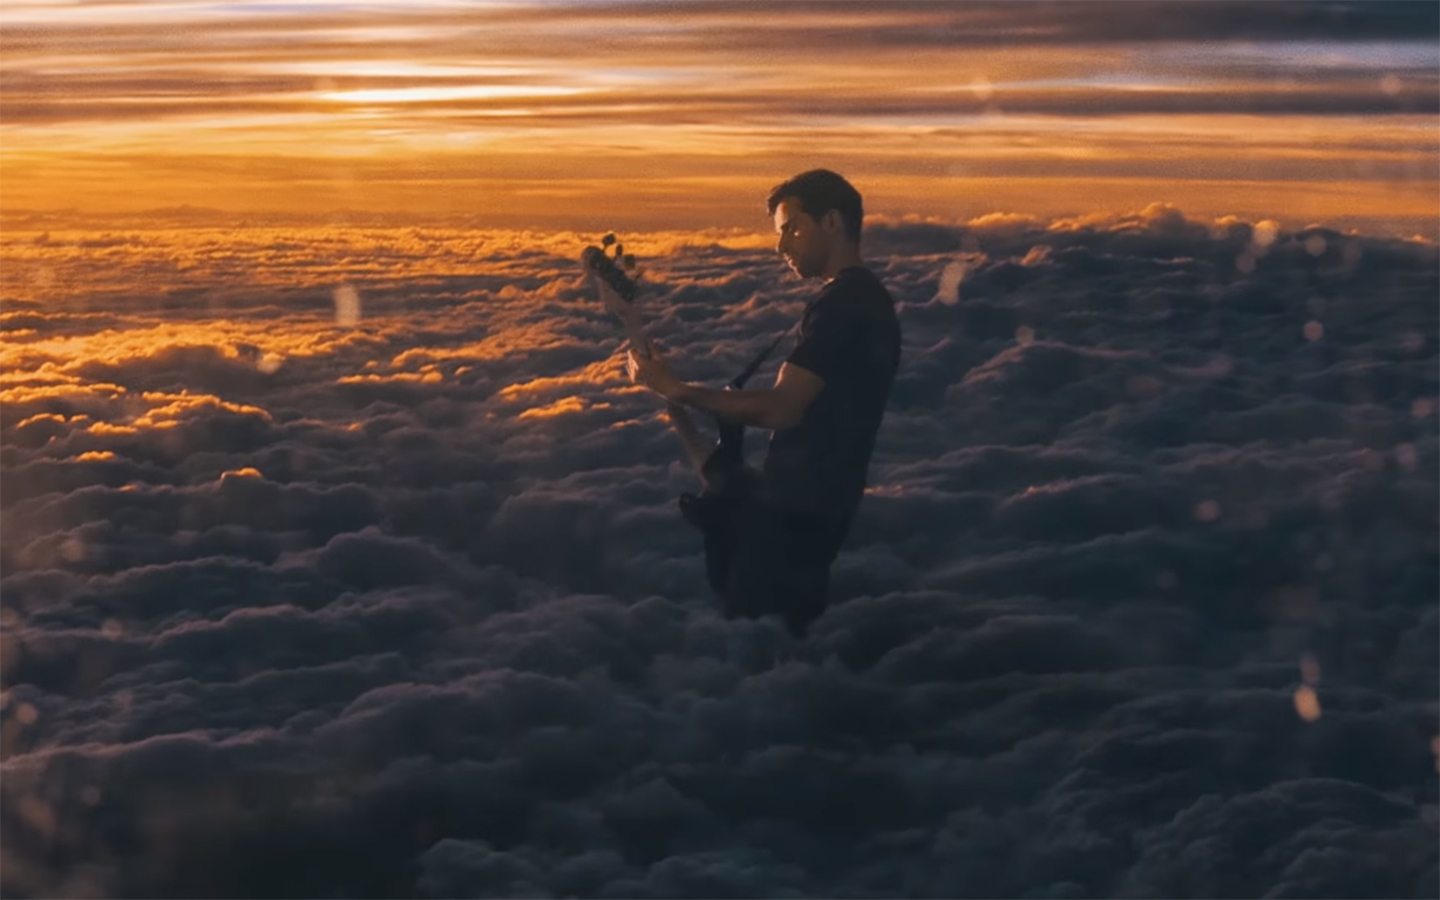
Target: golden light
{"points": [[660, 120], [444, 94], [249, 472], [1307, 703], [561, 407]]}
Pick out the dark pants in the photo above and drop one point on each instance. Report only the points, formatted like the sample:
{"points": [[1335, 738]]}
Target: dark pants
{"points": [[763, 560]]}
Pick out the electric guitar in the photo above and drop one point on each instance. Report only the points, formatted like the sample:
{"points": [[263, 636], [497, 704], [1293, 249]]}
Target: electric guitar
{"points": [[727, 480]]}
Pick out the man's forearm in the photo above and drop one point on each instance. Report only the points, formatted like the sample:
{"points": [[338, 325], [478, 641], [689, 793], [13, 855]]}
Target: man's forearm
{"points": [[758, 408]]}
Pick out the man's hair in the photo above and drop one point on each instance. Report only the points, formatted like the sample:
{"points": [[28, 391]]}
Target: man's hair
{"points": [[819, 191]]}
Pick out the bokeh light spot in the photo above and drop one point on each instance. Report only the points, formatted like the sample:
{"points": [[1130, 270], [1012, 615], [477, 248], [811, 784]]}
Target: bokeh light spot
{"points": [[347, 306], [37, 814], [1264, 234], [948, 291], [1207, 510], [1307, 703], [1144, 387]]}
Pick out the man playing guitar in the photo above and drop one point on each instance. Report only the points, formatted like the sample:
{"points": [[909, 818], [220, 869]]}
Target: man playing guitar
{"points": [[823, 411]]}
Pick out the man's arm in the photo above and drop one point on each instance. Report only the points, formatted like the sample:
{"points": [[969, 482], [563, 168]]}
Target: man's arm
{"points": [[781, 406]]}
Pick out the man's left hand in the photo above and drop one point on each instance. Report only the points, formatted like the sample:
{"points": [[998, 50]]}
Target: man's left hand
{"points": [[651, 370]]}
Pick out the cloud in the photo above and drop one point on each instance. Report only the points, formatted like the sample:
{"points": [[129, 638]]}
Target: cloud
{"points": [[1317, 851], [414, 611]]}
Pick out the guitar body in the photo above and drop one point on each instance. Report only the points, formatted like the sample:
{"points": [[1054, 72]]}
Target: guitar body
{"points": [[716, 510]]}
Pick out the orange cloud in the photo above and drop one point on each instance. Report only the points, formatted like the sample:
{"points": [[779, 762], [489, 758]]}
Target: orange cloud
{"points": [[562, 407], [604, 372]]}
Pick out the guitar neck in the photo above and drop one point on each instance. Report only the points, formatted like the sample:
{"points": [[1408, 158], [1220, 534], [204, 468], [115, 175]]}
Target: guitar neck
{"points": [[634, 330], [629, 315]]}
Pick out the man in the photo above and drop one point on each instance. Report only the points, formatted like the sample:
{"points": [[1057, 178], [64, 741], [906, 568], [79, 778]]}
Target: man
{"points": [[823, 411]]}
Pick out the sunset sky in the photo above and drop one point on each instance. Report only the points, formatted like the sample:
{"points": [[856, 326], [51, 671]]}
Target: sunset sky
{"points": [[659, 116], [340, 556]]}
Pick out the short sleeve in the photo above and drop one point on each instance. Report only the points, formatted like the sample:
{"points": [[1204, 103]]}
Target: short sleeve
{"points": [[824, 336]]}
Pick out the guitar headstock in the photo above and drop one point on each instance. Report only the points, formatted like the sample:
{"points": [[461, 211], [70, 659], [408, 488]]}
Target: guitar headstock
{"points": [[613, 270]]}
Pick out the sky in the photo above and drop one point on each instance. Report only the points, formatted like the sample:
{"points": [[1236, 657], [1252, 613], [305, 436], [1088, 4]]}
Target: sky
{"points": [[339, 557], [668, 116]]}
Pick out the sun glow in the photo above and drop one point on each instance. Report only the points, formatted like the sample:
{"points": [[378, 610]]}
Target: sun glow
{"points": [[443, 94]]}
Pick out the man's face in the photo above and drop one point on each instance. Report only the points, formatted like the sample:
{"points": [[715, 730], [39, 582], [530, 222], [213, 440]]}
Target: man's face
{"points": [[803, 242]]}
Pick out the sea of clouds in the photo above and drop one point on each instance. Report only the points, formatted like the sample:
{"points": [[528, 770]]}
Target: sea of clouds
{"points": [[346, 562]]}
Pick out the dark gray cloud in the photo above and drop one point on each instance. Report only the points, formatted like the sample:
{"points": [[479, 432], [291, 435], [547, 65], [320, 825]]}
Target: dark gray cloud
{"points": [[1354, 94], [293, 607], [1034, 22], [1124, 22]]}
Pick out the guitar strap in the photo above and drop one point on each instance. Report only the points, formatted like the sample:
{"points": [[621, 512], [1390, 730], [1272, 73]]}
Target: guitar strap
{"points": [[739, 381]]}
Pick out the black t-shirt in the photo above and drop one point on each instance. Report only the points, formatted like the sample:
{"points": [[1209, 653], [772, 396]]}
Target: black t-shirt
{"points": [[850, 337]]}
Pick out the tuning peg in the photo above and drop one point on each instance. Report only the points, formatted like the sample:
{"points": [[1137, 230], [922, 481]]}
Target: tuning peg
{"points": [[609, 239], [619, 249]]}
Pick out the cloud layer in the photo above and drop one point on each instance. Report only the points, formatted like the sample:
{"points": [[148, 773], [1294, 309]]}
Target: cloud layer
{"points": [[1141, 601]]}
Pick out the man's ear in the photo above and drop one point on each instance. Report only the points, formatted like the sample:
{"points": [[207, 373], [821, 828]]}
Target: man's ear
{"points": [[832, 221]]}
